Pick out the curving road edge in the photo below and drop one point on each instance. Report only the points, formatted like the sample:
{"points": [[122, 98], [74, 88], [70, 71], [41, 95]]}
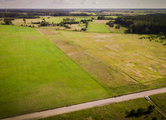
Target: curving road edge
{"points": [[82, 106]]}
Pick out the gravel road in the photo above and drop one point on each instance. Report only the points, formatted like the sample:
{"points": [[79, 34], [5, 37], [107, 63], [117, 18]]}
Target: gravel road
{"points": [[57, 111]]}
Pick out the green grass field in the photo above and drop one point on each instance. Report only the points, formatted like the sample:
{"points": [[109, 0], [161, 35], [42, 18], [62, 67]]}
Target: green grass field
{"points": [[35, 75], [114, 111], [59, 19], [97, 28]]}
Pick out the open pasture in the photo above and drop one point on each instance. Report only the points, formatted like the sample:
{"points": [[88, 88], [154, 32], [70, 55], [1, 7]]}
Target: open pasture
{"points": [[121, 63], [97, 27], [35, 75]]}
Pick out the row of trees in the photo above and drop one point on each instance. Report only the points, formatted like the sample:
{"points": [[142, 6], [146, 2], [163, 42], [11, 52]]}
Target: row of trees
{"points": [[104, 18], [145, 24], [110, 23], [7, 21], [140, 112]]}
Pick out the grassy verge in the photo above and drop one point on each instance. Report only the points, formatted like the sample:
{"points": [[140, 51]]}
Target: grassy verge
{"points": [[160, 100], [116, 111], [36, 75]]}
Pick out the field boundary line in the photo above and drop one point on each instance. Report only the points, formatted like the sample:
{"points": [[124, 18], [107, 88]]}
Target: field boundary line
{"points": [[72, 108], [157, 108], [40, 32]]}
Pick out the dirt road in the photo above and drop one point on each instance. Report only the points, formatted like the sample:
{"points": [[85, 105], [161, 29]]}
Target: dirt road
{"points": [[72, 108]]}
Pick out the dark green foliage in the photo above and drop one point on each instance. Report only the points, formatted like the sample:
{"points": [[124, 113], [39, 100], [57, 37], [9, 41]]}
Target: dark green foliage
{"points": [[71, 22], [83, 29], [85, 21], [104, 18], [140, 112], [145, 24], [110, 23], [24, 20], [117, 27], [154, 118], [66, 26], [86, 24], [44, 23], [164, 44], [68, 19], [8, 21], [18, 15]]}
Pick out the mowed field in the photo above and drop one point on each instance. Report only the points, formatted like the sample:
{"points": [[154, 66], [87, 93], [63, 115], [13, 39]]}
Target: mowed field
{"points": [[35, 75], [121, 63], [97, 27]]}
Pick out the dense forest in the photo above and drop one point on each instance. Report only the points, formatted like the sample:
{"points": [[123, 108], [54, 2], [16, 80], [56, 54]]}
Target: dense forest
{"points": [[144, 24], [19, 15]]}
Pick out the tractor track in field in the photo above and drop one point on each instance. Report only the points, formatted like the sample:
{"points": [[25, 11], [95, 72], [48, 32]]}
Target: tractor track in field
{"points": [[57, 111]]}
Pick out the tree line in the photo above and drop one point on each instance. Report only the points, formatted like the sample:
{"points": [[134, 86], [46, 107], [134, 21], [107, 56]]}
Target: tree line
{"points": [[140, 112], [144, 24], [18, 15], [105, 18]]}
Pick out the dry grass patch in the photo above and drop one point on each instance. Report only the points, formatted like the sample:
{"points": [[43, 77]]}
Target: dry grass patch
{"points": [[101, 21]]}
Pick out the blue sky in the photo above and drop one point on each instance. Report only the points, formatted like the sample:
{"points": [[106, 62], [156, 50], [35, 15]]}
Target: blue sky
{"points": [[55, 4]]}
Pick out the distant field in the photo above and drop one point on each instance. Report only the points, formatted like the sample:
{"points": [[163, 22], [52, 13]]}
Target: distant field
{"points": [[114, 111], [114, 30], [28, 22], [121, 63], [97, 27], [35, 75], [58, 19]]}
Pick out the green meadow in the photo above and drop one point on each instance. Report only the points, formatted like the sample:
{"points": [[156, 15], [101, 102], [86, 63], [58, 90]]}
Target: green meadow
{"points": [[97, 28], [35, 75]]}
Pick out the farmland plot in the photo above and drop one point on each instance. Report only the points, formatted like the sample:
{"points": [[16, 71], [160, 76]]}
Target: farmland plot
{"points": [[35, 75], [121, 63]]}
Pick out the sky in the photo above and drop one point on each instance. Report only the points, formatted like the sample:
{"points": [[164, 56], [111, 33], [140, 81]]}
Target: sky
{"points": [[82, 4]]}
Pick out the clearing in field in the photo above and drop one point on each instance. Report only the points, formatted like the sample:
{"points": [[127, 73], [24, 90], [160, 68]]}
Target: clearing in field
{"points": [[97, 27], [35, 75]]}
